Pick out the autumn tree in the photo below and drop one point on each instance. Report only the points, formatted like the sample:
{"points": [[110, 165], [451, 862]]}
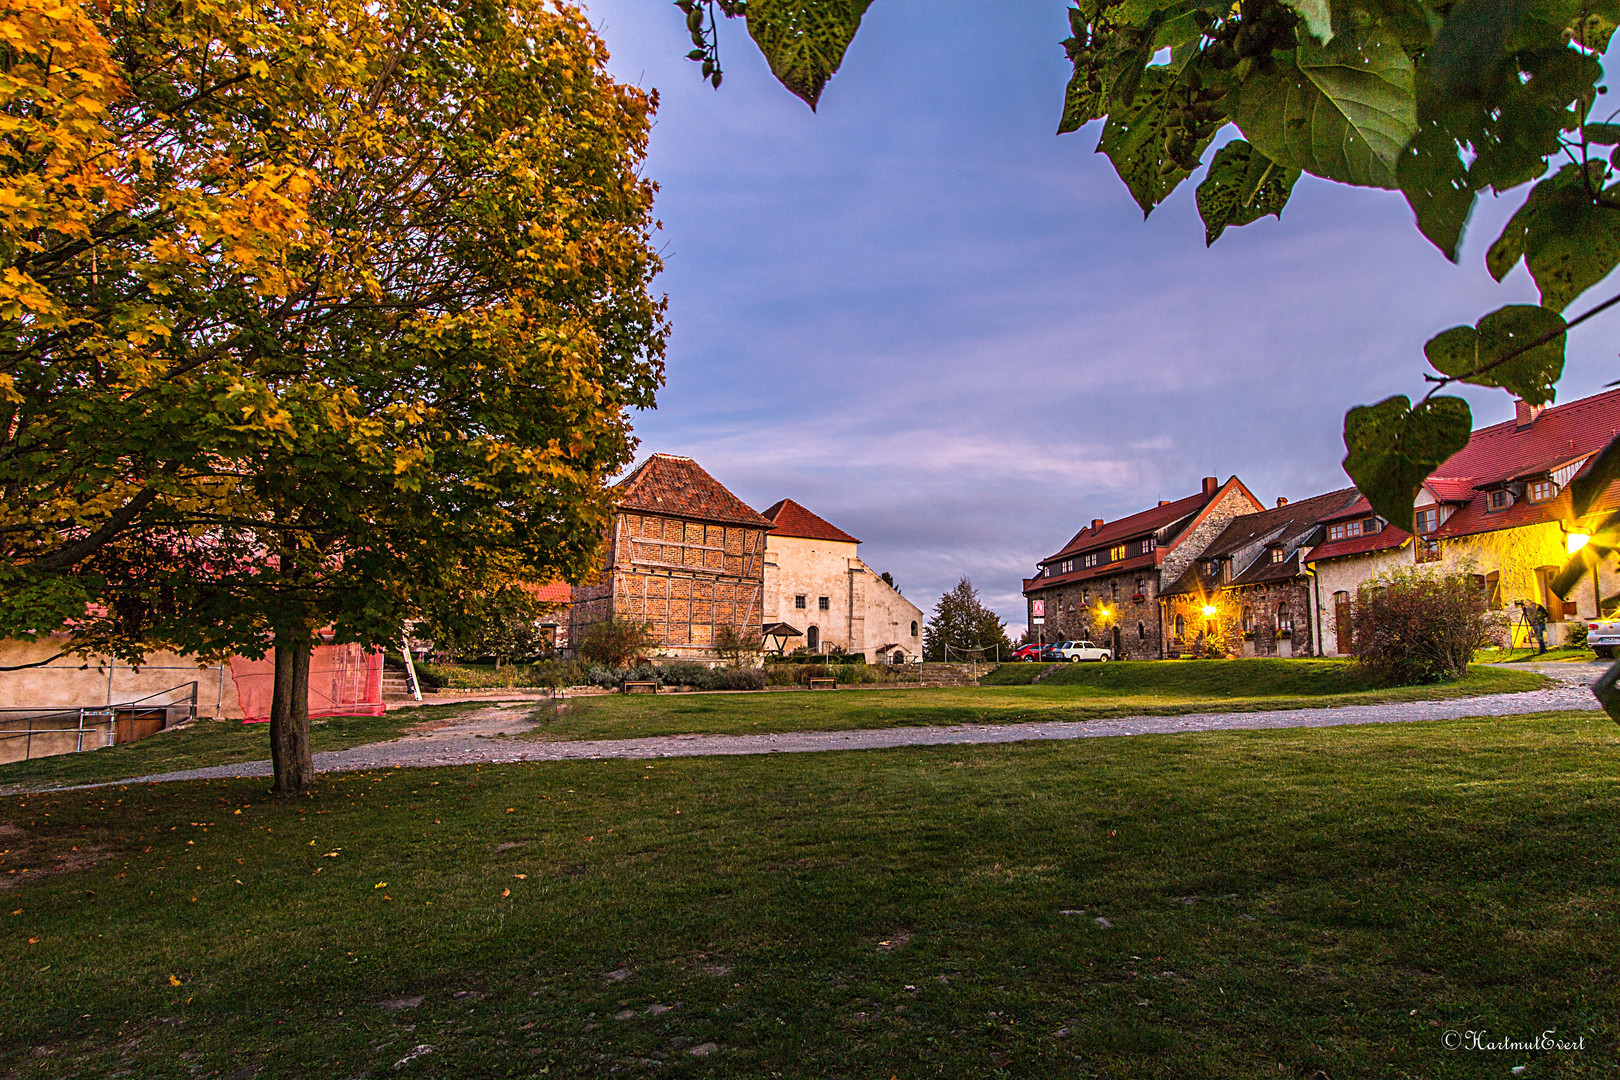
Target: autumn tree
{"points": [[347, 336], [1437, 100], [961, 622]]}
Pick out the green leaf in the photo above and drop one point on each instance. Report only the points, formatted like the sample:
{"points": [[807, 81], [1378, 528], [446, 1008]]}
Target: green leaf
{"points": [[804, 40], [1318, 16], [1607, 691], [1469, 49], [1570, 242], [1505, 254], [1437, 185], [1342, 112], [1084, 100], [1602, 134], [1392, 448], [1595, 479], [1136, 136], [1476, 354], [1242, 185]]}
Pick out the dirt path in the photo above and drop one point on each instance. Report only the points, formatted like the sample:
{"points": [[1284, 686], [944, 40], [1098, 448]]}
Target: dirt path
{"points": [[483, 737]]}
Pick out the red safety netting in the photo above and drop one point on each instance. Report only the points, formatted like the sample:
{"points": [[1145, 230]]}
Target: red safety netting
{"points": [[344, 680]]}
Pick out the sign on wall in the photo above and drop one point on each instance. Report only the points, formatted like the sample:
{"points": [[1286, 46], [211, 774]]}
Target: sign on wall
{"points": [[1038, 609]]}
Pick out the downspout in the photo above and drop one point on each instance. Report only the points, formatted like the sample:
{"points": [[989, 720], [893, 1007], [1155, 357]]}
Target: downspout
{"points": [[1316, 607]]}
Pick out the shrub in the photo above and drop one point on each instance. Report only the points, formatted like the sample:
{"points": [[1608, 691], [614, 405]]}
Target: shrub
{"points": [[738, 648], [1575, 635], [1414, 625], [742, 678], [613, 643], [512, 676]]}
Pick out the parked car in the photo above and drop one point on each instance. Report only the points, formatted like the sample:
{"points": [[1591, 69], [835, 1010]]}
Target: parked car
{"points": [[1029, 653], [1076, 651], [1603, 636]]}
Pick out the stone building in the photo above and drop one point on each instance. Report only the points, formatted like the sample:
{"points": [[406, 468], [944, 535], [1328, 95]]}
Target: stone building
{"points": [[1248, 592], [816, 583], [1499, 509], [1104, 584], [684, 554]]}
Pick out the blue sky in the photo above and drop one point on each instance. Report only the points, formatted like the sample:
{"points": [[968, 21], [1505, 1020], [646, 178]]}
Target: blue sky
{"points": [[927, 318]]}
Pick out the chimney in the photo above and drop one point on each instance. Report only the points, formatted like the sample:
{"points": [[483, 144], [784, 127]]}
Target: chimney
{"points": [[1282, 501], [1212, 484], [1096, 524], [1524, 414]]}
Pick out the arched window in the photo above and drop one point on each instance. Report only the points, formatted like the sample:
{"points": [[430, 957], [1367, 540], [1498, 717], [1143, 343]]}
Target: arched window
{"points": [[1248, 620], [812, 638], [1285, 621], [1181, 626], [1141, 631], [913, 627]]}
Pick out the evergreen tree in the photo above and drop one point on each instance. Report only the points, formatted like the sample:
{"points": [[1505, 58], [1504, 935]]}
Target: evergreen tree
{"points": [[962, 622]]}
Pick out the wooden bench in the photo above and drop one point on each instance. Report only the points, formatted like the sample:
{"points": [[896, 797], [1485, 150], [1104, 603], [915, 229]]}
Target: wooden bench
{"points": [[648, 686], [823, 684]]}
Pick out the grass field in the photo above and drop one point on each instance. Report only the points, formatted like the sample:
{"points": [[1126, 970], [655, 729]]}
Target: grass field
{"points": [[1302, 903], [208, 742], [1073, 692]]}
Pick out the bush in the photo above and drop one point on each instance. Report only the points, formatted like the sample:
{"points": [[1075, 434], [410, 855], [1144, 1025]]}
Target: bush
{"points": [[1420, 626], [742, 678], [738, 647], [613, 643], [512, 676], [1575, 635]]}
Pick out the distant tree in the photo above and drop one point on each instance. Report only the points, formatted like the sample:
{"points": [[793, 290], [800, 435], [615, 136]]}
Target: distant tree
{"points": [[962, 622], [615, 642], [888, 579]]}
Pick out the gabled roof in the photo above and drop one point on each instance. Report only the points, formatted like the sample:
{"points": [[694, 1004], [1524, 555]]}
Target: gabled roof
{"points": [[558, 592], [1293, 521], [678, 487], [1136, 525], [1383, 540], [1451, 488], [791, 519], [1560, 435]]}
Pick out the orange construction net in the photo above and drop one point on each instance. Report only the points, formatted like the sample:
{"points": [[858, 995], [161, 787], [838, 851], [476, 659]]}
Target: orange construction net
{"points": [[344, 680]]}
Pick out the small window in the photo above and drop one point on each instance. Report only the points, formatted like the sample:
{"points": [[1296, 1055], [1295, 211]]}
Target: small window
{"points": [[1090, 559], [1248, 621], [1046, 571], [1336, 532], [1141, 631], [1276, 554], [1181, 626], [1149, 544], [1116, 553], [1212, 567], [913, 627], [824, 604], [1428, 549], [1499, 500], [1352, 528], [1542, 490], [798, 603], [1285, 621], [1427, 520]]}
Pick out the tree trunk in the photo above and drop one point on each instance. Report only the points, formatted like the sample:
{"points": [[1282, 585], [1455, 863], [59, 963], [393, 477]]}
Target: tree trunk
{"points": [[289, 716]]}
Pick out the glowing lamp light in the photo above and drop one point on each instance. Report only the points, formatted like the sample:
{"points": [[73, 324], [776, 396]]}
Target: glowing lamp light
{"points": [[1575, 541], [1209, 611]]}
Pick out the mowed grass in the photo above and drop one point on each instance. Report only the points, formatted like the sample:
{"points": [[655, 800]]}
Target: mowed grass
{"points": [[208, 742], [1299, 903], [1073, 692]]}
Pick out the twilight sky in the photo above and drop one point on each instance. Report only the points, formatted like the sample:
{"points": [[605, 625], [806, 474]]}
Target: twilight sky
{"points": [[946, 330]]}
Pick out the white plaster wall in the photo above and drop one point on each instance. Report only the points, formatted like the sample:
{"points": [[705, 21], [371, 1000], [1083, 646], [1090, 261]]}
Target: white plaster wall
{"points": [[863, 611]]}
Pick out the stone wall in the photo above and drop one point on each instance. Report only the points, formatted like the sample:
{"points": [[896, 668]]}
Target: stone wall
{"points": [[1229, 636], [863, 611]]}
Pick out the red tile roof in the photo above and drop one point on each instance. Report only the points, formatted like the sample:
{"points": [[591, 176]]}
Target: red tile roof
{"points": [[1561, 434], [1450, 488], [1134, 526], [678, 487], [558, 592], [1138, 562], [1385, 539], [791, 519]]}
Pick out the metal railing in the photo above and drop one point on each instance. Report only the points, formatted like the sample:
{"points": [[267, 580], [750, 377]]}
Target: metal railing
{"points": [[90, 720]]}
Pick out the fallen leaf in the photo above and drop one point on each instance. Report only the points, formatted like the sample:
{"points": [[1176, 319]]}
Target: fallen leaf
{"points": [[380, 885], [33, 941], [506, 892], [521, 877], [511, 810], [173, 981], [17, 912]]}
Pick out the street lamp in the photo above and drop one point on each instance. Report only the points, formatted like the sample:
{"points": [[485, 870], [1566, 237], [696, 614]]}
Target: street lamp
{"points": [[1209, 611]]}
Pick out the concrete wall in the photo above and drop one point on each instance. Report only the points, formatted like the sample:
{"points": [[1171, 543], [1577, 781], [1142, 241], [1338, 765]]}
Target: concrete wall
{"points": [[72, 682], [863, 611]]}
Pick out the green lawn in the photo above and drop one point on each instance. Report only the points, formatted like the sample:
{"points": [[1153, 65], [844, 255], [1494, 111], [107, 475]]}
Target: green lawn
{"points": [[208, 742], [1300, 903], [1073, 692]]}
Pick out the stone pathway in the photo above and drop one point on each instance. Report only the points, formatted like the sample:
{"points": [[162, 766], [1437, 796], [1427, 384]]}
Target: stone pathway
{"points": [[477, 737]]}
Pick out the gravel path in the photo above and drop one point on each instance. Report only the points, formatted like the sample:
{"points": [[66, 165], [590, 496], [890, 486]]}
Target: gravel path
{"points": [[478, 737]]}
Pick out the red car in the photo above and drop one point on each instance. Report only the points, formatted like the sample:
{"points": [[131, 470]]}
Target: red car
{"points": [[1030, 652]]}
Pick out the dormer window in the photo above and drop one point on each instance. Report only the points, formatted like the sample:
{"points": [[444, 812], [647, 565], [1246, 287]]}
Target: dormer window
{"points": [[1212, 567], [1499, 500], [1543, 490], [1427, 520], [1149, 544], [1116, 553], [1276, 554]]}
